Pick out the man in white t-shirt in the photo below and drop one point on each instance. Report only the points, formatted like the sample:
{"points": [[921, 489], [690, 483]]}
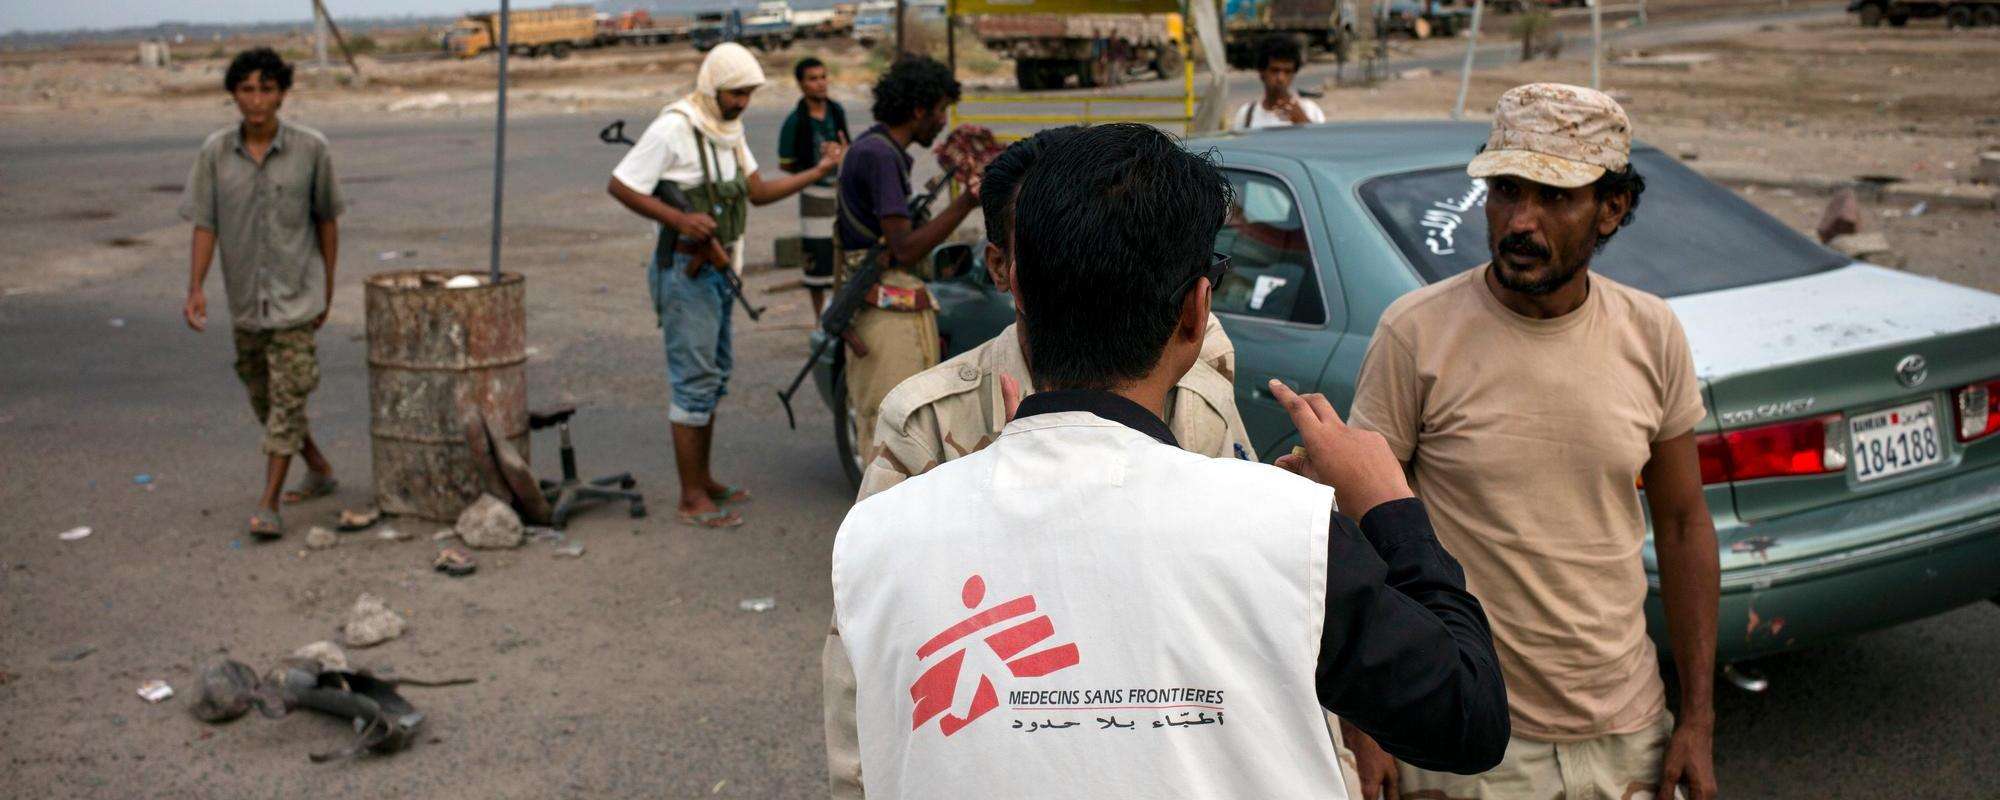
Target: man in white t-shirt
{"points": [[1278, 62], [696, 144]]}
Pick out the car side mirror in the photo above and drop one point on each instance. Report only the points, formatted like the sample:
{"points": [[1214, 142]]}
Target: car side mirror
{"points": [[952, 261]]}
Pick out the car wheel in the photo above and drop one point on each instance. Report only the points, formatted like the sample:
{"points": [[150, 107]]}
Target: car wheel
{"points": [[1958, 17], [1027, 74], [846, 427], [1170, 63], [1898, 20], [1986, 16], [1871, 15]]}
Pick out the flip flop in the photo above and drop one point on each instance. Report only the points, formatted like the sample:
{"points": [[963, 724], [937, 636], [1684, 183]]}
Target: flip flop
{"points": [[314, 484], [455, 562], [712, 519], [730, 494], [266, 524]]}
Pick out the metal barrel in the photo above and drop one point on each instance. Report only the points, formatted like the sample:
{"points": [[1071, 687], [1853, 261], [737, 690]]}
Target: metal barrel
{"points": [[439, 359]]}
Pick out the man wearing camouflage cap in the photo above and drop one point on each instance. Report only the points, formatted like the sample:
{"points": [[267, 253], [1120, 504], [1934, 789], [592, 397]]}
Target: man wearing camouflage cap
{"points": [[1528, 397]]}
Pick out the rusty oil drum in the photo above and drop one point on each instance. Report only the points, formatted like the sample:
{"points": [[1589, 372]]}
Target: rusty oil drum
{"points": [[438, 359]]}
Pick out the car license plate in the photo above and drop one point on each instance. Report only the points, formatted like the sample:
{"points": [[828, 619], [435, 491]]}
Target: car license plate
{"points": [[1895, 440]]}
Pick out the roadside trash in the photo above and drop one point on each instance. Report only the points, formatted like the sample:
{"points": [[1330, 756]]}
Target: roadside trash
{"points": [[320, 538], [391, 534], [1841, 217], [571, 550], [7, 677], [75, 653], [383, 721], [467, 281], [74, 534], [327, 654], [142, 479], [236, 544], [1918, 209], [371, 622], [155, 690], [455, 561], [443, 534], [391, 255], [352, 520], [541, 534], [117, 322], [489, 523], [758, 604]]}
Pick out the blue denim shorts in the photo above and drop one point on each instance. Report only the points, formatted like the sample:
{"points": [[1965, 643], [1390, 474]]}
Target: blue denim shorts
{"points": [[694, 321]]}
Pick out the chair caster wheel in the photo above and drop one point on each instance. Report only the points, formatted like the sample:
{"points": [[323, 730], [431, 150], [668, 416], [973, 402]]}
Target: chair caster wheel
{"points": [[638, 510], [627, 484]]}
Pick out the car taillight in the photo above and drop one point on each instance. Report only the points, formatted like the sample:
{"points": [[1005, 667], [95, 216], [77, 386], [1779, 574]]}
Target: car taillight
{"points": [[1978, 410], [1802, 447]]}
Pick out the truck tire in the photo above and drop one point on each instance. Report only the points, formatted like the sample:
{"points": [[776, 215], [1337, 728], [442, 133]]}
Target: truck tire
{"points": [[1028, 74], [1958, 16], [1898, 20], [845, 427], [1871, 15], [559, 50], [1169, 65], [1986, 16]]}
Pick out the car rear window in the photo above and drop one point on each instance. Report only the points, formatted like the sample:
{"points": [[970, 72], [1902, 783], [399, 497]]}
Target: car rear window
{"points": [[1689, 234]]}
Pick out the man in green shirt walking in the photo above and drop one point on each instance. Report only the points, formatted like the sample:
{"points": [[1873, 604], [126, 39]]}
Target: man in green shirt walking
{"points": [[816, 121], [264, 190]]}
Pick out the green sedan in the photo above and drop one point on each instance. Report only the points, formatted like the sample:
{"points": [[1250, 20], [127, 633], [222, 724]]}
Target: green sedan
{"points": [[1852, 447]]}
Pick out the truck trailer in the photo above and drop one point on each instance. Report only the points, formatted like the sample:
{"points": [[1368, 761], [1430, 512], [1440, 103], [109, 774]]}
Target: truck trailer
{"points": [[1097, 49], [552, 31]]}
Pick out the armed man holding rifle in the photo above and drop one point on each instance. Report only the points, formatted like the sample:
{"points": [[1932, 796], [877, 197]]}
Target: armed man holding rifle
{"points": [[894, 334]]}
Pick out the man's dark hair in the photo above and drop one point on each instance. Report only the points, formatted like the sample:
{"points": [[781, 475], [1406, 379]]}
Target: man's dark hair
{"points": [[1628, 182], [1001, 182], [912, 84], [799, 69], [1279, 48], [1108, 228], [261, 60]]}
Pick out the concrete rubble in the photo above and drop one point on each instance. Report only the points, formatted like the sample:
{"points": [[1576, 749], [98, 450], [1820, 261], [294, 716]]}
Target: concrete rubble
{"points": [[370, 622], [489, 524]]}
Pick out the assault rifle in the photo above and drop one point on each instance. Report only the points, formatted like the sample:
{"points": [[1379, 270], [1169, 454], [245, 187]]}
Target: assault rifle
{"points": [[663, 248], [838, 320]]}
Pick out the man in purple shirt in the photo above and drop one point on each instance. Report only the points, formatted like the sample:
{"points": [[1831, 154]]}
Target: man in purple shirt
{"points": [[897, 325]]}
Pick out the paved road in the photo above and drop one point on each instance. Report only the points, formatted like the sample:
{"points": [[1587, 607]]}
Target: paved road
{"points": [[630, 672]]}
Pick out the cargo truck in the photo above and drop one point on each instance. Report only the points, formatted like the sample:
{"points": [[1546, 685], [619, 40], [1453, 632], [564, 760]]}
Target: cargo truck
{"points": [[552, 31], [1316, 25], [1096, 49]]}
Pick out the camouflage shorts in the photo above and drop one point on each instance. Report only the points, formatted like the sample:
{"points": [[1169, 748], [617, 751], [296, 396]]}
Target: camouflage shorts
{"points": [[279, 368]]}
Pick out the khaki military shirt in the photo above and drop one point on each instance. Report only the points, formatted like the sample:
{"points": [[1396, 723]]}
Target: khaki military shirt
{"points": [[264, 217], [953, 409]]}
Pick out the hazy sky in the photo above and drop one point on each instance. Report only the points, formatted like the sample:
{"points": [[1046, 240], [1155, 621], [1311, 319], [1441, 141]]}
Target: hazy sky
{"points": [[43, 15]]}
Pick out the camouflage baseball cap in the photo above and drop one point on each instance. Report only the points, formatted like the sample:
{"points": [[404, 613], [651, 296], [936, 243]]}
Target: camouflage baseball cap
{"points": [[1555, 134]]}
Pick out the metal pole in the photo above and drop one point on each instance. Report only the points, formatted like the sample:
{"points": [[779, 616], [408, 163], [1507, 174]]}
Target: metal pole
{"points": [[1465, 72], [1642, 12], [500, 147], [899, 29], [1597, 44], [319, 36], [951, 36]]}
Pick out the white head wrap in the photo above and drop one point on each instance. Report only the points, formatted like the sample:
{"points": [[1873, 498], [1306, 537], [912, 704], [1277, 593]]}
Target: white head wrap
{"points": [[728, 66]]}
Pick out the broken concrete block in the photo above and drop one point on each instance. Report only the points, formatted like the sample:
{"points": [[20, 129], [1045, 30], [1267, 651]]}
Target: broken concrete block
{"points": [[1862, 246], [320, 538], [371, 622], [1842, 217], [1987, 171], [489, 524], [328, 654]]}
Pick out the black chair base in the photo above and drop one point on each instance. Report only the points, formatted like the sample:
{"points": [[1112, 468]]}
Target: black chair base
{"points": [[572, 494]]}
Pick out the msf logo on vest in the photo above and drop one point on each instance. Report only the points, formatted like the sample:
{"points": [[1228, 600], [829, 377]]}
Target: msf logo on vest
{"points": [[936, 690]]}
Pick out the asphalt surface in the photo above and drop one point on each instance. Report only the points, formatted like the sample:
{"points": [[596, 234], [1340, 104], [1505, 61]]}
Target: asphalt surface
{"points": [[629, 672]]}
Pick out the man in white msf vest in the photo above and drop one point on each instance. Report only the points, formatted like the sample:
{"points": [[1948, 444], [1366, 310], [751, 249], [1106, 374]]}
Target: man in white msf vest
{"points": [[1084, 610]]}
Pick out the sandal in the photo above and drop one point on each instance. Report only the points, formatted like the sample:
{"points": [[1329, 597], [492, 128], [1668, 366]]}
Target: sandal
{"points": [[712, 519], [315, 484], [730, 494], [266, 524], [454, 561]]}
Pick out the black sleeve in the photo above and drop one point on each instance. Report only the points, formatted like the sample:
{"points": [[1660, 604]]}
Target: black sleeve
{"points": [[1405, 654]]}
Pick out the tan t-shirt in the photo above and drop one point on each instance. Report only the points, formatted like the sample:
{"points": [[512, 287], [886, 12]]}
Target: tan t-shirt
{"points": [[1525, 438]]}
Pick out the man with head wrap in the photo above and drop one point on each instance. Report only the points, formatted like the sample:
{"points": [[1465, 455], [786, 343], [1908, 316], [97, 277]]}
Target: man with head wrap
{"points": [[697, 144]]}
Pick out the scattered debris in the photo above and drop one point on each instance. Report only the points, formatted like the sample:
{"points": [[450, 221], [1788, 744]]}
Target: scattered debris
{"points": [[422, 102], [466, 281], [443, 534], [1842, 216], [228, 690], [542, 534], [455, 561], [1863, 247], [1917, 210], [758, 604], [351, 520], [320, 538], [327, 654], [571, 550], [1674, 62], [117, 322], [371, 622], [142, 479], [7, 677], [1988, 169], [74, 534], [383, 721], [390, 534], [1415, 74], [1687, 152], [76, 653], [392, 255], [489, 523], [155, 690]]}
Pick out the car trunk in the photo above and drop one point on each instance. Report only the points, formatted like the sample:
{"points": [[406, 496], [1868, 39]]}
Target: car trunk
{"points": [[1836, 387]]}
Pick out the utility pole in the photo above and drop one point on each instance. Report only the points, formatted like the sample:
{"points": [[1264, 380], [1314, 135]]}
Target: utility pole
{"points": [[1597, 44], [319, 37], [900, 11], [499, 147], [1465, 72]]}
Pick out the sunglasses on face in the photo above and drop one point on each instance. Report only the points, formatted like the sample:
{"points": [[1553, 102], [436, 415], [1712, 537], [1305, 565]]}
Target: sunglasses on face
{"points": [[1218, 263]]}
